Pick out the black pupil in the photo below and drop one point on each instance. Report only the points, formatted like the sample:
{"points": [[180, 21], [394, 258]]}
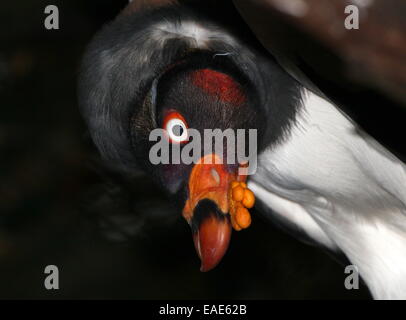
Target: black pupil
{"points": [[177, 130]]}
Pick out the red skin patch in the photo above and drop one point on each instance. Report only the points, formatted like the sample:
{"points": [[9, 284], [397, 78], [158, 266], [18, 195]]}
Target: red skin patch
{"points": [[219, 84]]}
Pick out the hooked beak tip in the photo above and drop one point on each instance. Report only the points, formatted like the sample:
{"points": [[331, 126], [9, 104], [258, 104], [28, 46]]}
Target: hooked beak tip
{"points": [[211, 240]]}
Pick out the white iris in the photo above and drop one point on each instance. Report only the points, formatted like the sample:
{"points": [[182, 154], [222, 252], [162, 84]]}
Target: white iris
{"points": [[177, 130]]}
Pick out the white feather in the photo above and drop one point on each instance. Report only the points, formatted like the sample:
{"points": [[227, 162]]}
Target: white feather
{"points": [[343, 189], [199, 36]]}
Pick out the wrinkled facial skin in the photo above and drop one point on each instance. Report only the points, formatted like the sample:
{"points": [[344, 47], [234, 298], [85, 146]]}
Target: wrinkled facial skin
{"points": [[207, 97]]}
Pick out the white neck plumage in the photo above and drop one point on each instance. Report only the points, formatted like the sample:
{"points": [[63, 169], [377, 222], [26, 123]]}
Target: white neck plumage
{"points": [[342, 189]]}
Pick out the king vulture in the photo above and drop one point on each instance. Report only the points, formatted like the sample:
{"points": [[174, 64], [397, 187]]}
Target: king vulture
{"points": [[318, 172]]}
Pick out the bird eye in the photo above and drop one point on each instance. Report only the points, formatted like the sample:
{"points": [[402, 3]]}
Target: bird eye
{"points": [[176, 128]]}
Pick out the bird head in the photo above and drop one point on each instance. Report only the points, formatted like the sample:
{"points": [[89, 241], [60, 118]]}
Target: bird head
{"points": [[181, 74], [208, 95]]}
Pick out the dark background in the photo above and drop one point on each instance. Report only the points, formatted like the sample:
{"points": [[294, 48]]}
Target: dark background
{"points": [[110, 236]]}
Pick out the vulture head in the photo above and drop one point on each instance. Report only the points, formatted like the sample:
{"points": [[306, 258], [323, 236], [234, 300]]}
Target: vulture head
{"points": [[171, 69]]}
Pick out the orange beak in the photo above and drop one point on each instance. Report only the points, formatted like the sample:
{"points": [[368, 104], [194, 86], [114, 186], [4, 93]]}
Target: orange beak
{"points": [[207, 208]]}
